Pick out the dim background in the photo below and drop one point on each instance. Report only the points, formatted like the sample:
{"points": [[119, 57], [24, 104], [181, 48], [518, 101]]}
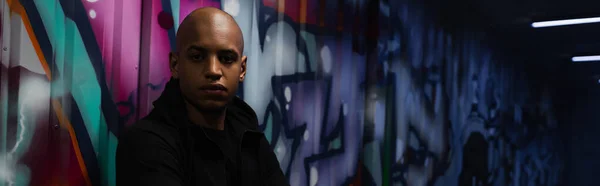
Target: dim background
{"points": [[348, 92]]}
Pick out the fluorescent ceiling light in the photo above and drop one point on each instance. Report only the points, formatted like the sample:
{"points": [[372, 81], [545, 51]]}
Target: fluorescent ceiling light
{"points": [[565, 22], [585, 58]]}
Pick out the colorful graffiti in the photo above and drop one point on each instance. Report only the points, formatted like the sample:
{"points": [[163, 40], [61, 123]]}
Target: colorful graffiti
{"points": [[348, 92]]}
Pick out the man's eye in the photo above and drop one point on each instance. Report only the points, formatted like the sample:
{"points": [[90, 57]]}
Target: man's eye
{"points": [[197, 57], [227, 59]]}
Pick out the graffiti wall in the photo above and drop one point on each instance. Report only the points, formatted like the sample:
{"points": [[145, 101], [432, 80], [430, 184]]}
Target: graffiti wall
{"points": [[348, 92]]}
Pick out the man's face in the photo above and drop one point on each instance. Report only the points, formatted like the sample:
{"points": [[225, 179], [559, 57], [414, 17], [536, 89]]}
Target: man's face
{"points": [[209, 65]]}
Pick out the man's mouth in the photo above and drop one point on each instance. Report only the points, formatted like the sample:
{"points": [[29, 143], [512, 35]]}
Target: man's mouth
{"points": [[213, 89]]}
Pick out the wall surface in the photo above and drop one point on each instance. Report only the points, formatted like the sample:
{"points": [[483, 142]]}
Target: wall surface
{"points": [[582, 137], [348, 92]]}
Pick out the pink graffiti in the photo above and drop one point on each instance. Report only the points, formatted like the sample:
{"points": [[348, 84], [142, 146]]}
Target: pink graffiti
{"points": [[187, 6], [116, 25]]}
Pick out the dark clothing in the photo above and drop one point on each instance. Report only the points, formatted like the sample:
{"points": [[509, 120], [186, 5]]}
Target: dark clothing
{"points": [[164, 148], [227, 143]]}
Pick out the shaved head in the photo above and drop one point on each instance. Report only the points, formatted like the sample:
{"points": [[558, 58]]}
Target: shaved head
{"points": [[207, 17], [208, 60]]}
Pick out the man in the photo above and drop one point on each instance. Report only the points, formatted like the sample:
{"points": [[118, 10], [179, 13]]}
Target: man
{"points": [[199, 132]]}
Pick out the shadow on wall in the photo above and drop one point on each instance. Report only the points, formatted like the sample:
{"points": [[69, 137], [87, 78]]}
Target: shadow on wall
{"points": [[347, 92]]}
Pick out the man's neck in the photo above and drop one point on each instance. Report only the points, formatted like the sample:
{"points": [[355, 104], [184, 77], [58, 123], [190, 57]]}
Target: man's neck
{"points": [[210, 119]]}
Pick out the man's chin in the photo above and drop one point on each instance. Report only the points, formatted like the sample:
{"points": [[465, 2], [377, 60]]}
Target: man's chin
{"points": [[211, 106]]}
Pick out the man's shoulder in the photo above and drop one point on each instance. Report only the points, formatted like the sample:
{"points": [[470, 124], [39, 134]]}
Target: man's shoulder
{"points": [[147, 143]]}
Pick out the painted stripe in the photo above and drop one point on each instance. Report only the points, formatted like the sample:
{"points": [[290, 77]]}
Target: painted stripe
{"points": [[39, 31], [303, 11], [18, 8], [75, 11], [86, 149], [65, 123], [175, 7], [281, 6], [15, 6], [166, 7], [321, 18]]}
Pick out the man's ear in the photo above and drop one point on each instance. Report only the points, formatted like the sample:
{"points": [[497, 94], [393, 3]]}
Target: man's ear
{"points": [[174, 65], [243, 68]]}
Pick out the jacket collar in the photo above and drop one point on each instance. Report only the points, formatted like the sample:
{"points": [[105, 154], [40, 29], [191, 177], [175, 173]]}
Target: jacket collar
{"points": [[170, 106]]}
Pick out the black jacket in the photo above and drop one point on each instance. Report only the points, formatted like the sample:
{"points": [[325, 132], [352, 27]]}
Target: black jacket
{"points": [[158, 149]]}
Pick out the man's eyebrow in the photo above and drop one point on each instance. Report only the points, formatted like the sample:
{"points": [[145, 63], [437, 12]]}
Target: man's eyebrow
{"points": [[230, 51], [199, 48], [195, 48]]}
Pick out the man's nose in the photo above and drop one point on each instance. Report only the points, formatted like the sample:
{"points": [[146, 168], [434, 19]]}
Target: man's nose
{"points": [[213, 69]]}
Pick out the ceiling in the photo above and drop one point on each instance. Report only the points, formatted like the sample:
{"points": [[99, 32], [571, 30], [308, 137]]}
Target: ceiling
{"points": [[550, 48], [547, 51], [508, 23], [512, 18]]}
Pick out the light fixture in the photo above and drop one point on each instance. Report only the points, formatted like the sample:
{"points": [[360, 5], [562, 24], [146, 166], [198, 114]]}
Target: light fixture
{"points": [[585, 58], [565, 22]]}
